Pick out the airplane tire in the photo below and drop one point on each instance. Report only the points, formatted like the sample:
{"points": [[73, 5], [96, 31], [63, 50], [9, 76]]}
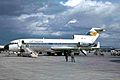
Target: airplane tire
{"points": [[18, 54], [76, 53], [59, 53], [118, 54], [40, 52], [50, 54]]}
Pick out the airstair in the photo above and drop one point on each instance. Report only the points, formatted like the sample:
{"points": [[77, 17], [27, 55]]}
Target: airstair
{"points": [[27, 52]]}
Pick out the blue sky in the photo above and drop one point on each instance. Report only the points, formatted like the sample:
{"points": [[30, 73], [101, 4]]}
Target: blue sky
{"points": [[59, 19]]}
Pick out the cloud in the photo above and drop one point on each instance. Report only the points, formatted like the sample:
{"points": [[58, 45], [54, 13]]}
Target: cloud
{"points": [[37, 23], [43, 29], [112, 31], [115, 27], [58, 33], [105, 35], [23, 17], [10, 7], [87, 11], [81, 15], [72, 3], [89, 7], [42, 8], [72, 21]]}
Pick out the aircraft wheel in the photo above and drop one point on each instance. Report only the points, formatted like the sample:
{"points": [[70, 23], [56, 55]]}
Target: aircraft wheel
{"points": [[59, 54], [118, 54], [50, 54], [40, 52], [18, 54], [76, 53]]}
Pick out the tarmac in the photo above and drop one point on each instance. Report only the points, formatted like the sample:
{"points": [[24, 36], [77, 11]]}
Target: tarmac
{"points": [[55, 68]]}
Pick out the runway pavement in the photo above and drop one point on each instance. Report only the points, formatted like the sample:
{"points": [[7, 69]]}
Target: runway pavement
{"points": [[55, 68]]}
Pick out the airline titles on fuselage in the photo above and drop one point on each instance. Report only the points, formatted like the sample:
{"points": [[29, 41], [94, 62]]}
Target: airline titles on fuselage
{"points": [[35, 41]]}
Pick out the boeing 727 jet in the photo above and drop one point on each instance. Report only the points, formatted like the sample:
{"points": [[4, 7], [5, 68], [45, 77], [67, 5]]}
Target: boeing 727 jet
{"points": [[52, 46]]}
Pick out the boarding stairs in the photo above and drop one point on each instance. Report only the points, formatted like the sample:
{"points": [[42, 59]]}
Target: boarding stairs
{"points": [[29, 52]]}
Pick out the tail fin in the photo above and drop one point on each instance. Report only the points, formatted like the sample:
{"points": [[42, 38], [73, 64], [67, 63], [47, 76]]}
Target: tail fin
{"points": [[91, 36], [95, 32]]}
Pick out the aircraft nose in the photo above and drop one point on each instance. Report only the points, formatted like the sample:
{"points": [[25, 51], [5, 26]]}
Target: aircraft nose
{"points": [[6, 47]]}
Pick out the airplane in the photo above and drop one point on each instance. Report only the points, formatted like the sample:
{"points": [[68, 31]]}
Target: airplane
{"points": [[58, 46]]}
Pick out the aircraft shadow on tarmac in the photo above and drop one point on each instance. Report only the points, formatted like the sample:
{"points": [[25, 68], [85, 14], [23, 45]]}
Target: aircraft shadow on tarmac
{"points": [[117, 61]]}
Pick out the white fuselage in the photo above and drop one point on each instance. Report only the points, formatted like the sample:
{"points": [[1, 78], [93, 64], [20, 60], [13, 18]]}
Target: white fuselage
{"points": [[45, 44]]}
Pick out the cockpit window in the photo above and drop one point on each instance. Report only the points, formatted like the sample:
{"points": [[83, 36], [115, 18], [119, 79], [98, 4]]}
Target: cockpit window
{"points": [[13, 43]]}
